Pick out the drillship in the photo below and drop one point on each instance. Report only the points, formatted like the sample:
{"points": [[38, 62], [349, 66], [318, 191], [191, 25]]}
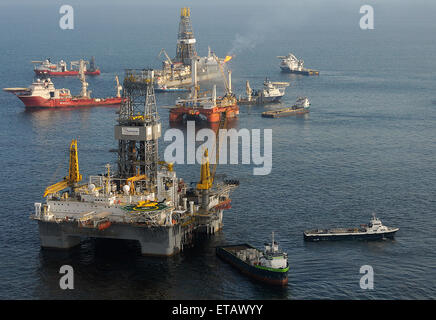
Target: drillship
{"points": [[43, 94], [175, 74], [270, 93], [144, 200], [47, 68], [291, 64]]}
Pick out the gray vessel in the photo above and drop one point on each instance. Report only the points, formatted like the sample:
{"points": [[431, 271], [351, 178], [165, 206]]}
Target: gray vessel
{"points": [[375, 230], [271, 92], [292, 64]]}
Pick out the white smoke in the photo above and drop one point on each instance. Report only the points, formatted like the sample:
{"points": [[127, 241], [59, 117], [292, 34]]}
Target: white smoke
{"points": [[245, 42]]}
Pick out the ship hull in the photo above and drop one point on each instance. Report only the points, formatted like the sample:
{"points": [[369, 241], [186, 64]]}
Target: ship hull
{"points": [[350, 236], [286, 113], [39, 102], [66, 73], [259, 100], [271, 277], [306, 72]]}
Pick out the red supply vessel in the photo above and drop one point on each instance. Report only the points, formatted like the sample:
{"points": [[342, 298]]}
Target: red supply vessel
{"points": [[43, 94]]}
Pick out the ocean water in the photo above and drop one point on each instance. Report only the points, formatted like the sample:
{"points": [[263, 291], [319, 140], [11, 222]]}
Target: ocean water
{"points": [[367, 145]]}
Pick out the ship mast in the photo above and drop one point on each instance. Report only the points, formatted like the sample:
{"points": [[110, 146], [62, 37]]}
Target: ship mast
{"points": [[82, 68]]}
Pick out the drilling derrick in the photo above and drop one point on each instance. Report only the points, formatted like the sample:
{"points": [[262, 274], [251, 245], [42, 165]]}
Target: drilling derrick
{"points": [[185, 41], [138, 128]]}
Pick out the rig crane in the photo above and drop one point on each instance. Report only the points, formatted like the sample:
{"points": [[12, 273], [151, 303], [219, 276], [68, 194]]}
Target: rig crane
{"points": [[166, 56], [74, 175]]}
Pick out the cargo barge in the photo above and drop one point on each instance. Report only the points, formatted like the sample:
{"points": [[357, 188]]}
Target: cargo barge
{"points": [[300, 107], [375, 230], [270, 266]]}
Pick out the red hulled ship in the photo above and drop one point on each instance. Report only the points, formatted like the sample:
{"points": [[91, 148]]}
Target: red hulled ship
{"points": [[43, 94]]}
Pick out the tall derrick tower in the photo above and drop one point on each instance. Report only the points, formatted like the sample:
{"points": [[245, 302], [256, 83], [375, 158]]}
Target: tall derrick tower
{"points": [[185, 41], [138, 128]]}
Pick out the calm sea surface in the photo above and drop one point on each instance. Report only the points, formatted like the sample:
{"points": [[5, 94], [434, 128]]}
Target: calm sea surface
{"points": [[368, 145]]}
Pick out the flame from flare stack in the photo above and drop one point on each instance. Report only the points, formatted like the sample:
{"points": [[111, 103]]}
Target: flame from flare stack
{"points": [[228, 58]]}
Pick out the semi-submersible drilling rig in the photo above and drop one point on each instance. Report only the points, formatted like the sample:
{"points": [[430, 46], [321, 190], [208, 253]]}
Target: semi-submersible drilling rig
{"points": [[144, 200]]}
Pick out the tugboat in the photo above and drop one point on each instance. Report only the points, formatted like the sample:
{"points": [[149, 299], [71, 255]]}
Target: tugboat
{"points": [[47, 68], [375, 230], [270, 266], [43, 94], [270, 93], [292, 64], [301, 106]]}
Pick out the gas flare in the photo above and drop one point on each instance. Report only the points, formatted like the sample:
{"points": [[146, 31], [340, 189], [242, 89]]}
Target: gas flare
{"points": [[228, 58]]}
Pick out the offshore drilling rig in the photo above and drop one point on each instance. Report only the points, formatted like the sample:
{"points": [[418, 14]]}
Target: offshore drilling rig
{"points": [[175, 74], [144, 200]]}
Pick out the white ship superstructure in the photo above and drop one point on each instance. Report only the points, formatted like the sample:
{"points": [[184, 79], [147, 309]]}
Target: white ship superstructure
{"points": [[292, 64], [270, 93]]}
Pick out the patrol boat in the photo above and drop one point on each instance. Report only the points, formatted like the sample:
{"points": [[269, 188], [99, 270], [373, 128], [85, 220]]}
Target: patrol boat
{"points": [[375, 230], [270, 266]]}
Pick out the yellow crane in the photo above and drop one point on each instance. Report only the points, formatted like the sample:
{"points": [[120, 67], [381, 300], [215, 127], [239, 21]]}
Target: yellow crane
{"points": [[131, 181], [206, 176], [74, 175], [206, 179]]}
